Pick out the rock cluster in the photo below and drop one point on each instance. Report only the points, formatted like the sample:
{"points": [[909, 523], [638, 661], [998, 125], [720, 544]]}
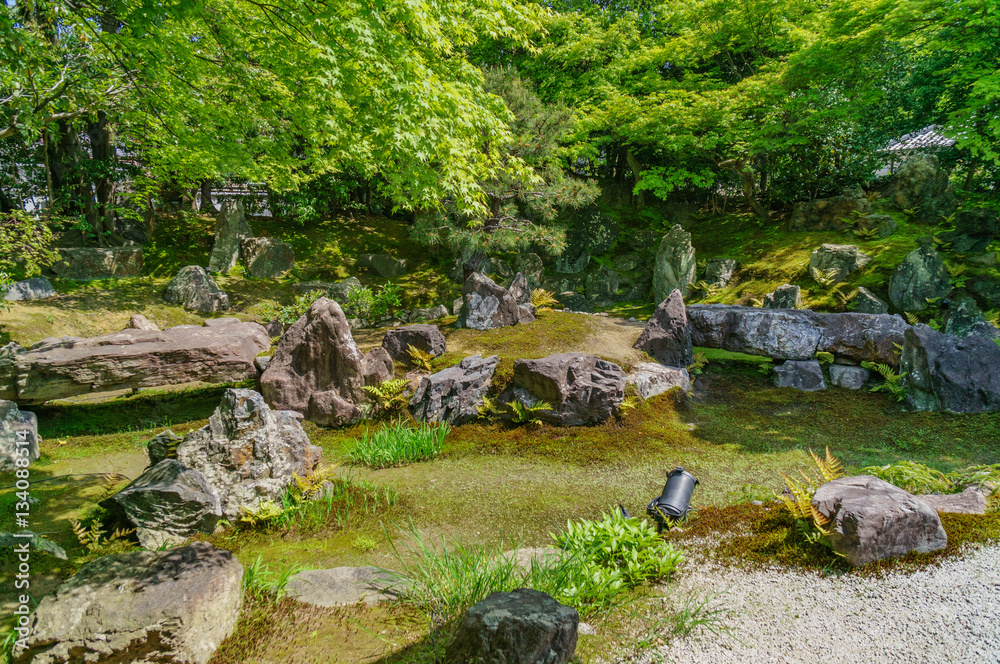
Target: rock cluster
{"points": [[318, 370], [454, 394]]}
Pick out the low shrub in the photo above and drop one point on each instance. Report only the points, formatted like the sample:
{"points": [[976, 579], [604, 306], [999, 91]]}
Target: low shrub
{"points": [[372, 305], [289, 313], [398, 444]]}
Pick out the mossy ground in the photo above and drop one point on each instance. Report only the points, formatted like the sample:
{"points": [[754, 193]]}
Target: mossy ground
{"points": [[492, 484]]}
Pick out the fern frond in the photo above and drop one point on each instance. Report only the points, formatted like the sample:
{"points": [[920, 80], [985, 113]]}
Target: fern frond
{"points": [[419, 357], [542, 298]]}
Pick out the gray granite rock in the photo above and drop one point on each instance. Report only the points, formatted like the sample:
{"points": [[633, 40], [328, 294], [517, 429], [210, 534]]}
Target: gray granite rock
{"points": [[38, 288], [667, 336], [787, 296], [231, 229], [343, 586], [848, 377], [804, 375], [652, 379], [454, 394], [18, 437], [675, 266], [194, 289]]}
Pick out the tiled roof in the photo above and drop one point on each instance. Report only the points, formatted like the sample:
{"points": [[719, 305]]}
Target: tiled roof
{"points": [[928, 137]]}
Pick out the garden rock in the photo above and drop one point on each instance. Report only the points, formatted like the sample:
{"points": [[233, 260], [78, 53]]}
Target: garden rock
{"points": [[261, 363], [871, 519], [970, 501], [166, 504], [975, 230], [519, 289], [923, 186], [427, 338], [341, 290], [804, 375], [601, 232], [162, 446], [342, 586], [454, 394], [18, 431], [848, 377], [833, 263], [626, 262], [194, 289], [318, 370], [456, 306], [486, 306], [784, 297], [266, 257], [861, 337], [274, 328], [867, 302], [574, 301], [881, 224], [719, 271], [964, 318], [60, 368], [575, 258], [248, 453], [944, 372], [89, 263], [382, 264], [675, 266], [776, 333], [173, 607], [140, 322], [582, 389], [434, 313], [921, 276], [667, 337], [602, 284], [231, 229], [221, 322], [521, 627], [651, 379], [38, 288], [829, 213], [530, 265]]}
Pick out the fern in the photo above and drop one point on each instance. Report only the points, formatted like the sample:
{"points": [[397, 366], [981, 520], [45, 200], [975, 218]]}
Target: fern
{"points": [[97, 545], [542, 298], [866, 233], [629, 404], [489, 410], [698, 363], [893, 381], [266, 511], [911, 318], [420, 358], [389, 397], [811, 525], [521, 414]]}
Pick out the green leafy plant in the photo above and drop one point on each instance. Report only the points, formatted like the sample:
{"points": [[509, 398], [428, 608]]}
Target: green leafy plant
{"points": [[824, 357], [373, 305], [810, 524], [260, 583], [543, 299], [398, 444], [388, 397], [893, 381], [266, 511], [629, 403], [97, 544], [364, 543], [419, 357], [490, 409], [290, 313], [698, 363], [917, 478], [527, 414]]}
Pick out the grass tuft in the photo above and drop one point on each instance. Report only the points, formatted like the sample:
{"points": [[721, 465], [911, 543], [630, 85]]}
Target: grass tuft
{"points": [[398, 444]]}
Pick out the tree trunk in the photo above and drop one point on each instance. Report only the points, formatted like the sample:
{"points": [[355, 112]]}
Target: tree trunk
{"points": [[102, 153], [638, 198], [206, 198]]}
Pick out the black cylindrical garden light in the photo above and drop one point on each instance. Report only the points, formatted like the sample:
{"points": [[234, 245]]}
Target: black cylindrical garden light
{"points": [[675, 501]]}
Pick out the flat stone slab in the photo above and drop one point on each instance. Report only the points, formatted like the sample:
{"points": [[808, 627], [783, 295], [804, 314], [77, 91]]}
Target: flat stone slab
{"points": [[970, 501], [343, 586], [60, 368]]}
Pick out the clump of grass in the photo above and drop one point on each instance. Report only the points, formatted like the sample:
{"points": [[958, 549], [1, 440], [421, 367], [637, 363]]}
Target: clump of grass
{"points": [[918, 478], [398, 444], [260, 583]]}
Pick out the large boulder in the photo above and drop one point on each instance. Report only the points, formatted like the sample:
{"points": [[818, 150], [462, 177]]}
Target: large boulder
{"points": [[782, 334], [38, 288], [89, 263], [921, 276], [173, 607], [829, 213], [383, 265], [601, 286], [427, 338], [833, 263], [8, 370], [519, 289], [486, 305], [194, 289], [166, 504], [803, 375], [530, 265], [18, 436], [867, 302], [675, 266], [849, 377], [581, 389], [719, 271], [861, 337], [871, 519], [944, 372], [923, 186], [318, 370], [600, 231], [575, 257], [975, 230], [454, 394], [266, 257], [650, 379], [666, 337], [521, 627], [786, 296], [231, 229], [60, 368], [247, 452], [881, 225], [964, 318]]}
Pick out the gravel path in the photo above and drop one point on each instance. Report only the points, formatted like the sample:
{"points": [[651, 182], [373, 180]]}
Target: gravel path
{"points": [[948, 614]]}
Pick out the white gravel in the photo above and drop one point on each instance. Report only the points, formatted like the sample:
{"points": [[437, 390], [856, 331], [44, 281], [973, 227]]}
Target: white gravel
{"points": [[945, 614]]}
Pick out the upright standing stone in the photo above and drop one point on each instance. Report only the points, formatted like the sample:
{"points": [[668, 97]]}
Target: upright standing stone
{"points": [[675, 266], [719, 271], [787, 296], [266, 257], [667, 337], [486, 305], [922, 185], [231, 229], [921, 276], [18, 436], [835, 262], [194, 289]]}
